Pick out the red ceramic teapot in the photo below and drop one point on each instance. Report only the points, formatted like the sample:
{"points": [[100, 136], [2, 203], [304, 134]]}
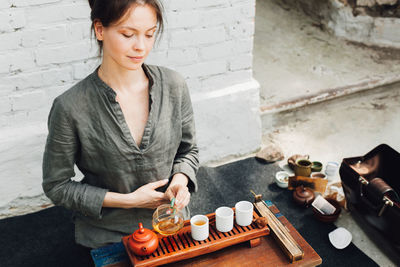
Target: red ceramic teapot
{"points": [[143, 241]]}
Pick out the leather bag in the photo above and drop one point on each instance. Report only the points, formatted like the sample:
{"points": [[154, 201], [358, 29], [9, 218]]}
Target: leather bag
{"points": [[371, 185]]}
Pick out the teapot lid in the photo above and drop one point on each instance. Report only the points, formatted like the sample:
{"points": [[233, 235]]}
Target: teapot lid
{"points": [[143, 234], [303, 192]]}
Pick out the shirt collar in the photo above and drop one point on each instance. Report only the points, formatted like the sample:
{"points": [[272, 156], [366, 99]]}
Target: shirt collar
{"points": [[111, 94]]}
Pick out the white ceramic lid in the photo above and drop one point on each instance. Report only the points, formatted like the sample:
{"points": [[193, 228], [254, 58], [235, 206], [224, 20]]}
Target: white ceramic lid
{"points": [[340, 238]]}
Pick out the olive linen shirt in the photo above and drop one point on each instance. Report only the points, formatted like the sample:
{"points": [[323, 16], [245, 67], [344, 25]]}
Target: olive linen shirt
{"points": [[87, 128]]}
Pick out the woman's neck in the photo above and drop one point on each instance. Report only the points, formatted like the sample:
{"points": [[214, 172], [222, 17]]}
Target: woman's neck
{"points": [[121, 79]]}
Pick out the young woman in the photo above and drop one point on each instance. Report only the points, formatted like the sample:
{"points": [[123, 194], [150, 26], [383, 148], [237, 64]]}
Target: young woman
{"points": [[128, 127]]}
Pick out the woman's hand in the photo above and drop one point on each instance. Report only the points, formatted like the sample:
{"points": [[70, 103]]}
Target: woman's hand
{"points": [[178, 189], [145, 196]]}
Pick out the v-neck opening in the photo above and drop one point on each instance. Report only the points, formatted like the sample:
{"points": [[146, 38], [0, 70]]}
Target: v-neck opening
{"points": [[144, 144]]}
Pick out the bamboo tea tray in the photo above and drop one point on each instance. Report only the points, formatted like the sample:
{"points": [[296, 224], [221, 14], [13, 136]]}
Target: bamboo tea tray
{"points": [[181, 245]]}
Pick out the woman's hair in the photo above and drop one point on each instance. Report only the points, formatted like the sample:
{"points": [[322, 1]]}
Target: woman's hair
{"points": [[111, 11]]}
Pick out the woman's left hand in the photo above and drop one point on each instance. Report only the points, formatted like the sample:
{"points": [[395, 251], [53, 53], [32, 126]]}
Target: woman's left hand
{"points": [[178, 189]]}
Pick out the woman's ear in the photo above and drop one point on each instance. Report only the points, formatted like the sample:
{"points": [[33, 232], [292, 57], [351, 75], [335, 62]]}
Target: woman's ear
{"points": [[99, 30]]}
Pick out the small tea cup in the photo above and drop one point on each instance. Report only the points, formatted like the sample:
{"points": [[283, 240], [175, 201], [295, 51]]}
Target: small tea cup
{"points": [[316, 166], [224, 219], [244, 213], [319, 175], [302, 167], [199, 227], [331, 168]]}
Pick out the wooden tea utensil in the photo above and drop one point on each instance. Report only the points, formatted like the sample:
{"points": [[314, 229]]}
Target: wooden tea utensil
{"points": [[280, 232]]}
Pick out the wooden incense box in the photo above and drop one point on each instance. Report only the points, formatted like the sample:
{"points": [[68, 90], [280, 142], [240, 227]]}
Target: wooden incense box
{"points": [[181, 245], [316, 184]]}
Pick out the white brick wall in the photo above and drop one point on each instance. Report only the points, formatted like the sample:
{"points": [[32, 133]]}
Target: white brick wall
{"points": [[11, 19], [46, 47]]}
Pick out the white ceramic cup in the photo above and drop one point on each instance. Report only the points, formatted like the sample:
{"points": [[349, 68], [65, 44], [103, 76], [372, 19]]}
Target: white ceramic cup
{"points": [[331, 168], [199, 232], [224, 219], [244, 213]]}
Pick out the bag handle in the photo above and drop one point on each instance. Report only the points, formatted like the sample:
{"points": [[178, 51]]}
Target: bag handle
{"points": [[380, 188]]}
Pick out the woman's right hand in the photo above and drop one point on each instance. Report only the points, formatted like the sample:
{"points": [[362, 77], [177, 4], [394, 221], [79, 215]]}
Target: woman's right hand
{"points": [[147, 197]]}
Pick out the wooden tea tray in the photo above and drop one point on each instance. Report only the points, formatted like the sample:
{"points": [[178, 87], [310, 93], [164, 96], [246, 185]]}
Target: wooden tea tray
{"points": [[181, 245], [268, 253]]}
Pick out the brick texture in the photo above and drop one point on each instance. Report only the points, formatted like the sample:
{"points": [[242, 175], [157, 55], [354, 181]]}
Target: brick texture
{"points": [[48, 43]]}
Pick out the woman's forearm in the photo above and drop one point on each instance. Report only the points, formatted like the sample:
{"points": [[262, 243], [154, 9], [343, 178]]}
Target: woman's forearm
{"points": [[118, 200], [179, 178], [132, 200]]}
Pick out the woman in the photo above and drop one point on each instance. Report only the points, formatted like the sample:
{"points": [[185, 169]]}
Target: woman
{"points": [[128, 127]]}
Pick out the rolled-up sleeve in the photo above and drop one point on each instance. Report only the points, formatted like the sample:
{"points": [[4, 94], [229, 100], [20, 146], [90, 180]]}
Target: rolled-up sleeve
{"points": [[59, 157], [187, 157]]}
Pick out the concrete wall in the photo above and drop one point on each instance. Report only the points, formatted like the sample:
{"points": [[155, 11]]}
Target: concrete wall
{"points": [[45, 48], [339, 19], [377, 31]]}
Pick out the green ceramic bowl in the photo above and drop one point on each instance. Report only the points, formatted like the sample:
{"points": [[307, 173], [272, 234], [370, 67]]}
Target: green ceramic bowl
{"points": [[316, 166]]}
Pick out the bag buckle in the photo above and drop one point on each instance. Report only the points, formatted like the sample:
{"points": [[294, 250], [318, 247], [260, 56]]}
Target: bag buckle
{"points": [[386, 202], [363, 180]]}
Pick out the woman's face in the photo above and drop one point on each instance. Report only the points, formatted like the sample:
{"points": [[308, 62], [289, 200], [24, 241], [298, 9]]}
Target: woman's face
{"points": [[129, 41]]}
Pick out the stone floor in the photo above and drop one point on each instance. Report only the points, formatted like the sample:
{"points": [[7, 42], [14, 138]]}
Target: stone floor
{"points": [[295, 60]]}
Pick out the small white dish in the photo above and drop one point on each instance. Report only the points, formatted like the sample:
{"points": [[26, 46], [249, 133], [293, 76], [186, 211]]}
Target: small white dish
{"points": [[282, 179], [340, 238]]}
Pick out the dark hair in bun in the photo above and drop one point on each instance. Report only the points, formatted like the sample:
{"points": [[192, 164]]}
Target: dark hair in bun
{"points": [[110, 11], [91, 2]]}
